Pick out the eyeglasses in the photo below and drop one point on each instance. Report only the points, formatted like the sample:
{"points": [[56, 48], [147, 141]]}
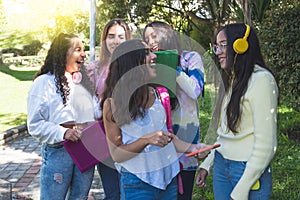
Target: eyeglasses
{"points": [[220, 47]]}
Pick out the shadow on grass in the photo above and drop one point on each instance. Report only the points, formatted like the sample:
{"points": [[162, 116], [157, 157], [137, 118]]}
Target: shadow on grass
{"points": [[22, 75], [9, 120]]}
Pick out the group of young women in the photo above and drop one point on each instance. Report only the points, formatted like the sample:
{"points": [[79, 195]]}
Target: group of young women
{"points": [[147, 160]]}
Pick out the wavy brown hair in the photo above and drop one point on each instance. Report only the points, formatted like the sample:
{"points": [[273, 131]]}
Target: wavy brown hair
{"points": [[105, 55], [125, 83]]}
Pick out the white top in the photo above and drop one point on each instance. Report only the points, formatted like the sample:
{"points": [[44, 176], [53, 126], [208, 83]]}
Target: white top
{"points": [[155, 165], [46, 110]]}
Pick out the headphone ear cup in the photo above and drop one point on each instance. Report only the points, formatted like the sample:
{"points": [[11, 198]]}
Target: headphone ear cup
{"points": [[240, 45]]}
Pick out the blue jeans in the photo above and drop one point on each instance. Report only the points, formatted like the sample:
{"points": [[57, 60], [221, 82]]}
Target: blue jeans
{"points": [[228, 172], [60, 178], [132, 188], [110, 179]]}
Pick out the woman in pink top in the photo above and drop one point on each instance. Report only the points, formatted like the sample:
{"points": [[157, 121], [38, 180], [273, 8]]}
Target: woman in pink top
{"points": [[114, 33]]}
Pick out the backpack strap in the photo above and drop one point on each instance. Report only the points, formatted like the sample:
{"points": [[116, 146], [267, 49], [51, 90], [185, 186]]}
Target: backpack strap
{"points": [[165, 100], [164, 97]]}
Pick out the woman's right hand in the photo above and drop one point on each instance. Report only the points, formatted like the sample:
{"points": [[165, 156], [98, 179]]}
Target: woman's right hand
{"points": [[73, 135], [201, 177], [159, 138]]}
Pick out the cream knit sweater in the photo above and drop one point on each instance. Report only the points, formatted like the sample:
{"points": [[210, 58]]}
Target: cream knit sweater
{"points": [[256, 140]]}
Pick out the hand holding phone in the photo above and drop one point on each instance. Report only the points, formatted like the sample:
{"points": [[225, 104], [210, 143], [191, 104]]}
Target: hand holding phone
{"points": [[203, 149]]}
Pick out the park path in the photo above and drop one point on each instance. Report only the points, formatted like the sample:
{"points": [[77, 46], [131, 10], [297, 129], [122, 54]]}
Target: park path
{"points": [[20, 162]]}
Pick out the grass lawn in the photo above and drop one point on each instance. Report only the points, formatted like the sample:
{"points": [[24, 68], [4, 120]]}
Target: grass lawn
{"points": [[15, 83], [14, 86]]}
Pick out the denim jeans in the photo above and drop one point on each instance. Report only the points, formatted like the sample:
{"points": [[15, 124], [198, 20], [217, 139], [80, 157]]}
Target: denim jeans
{"points": [[228, 172], [132, 188], [60, 178], [110, 179]]}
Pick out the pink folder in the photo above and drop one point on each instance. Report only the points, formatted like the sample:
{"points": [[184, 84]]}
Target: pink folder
{"points": [[91, 149]]}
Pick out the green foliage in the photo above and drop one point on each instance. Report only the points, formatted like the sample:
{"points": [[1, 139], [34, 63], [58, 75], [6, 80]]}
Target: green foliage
{"points": [[259, 8], [279, 34], [20, 44], [77, 23], [32, 48], [236, 12], [202, 35], [110, 9]]}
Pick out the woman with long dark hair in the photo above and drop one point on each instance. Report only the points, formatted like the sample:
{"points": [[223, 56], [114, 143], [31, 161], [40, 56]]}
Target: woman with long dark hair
{"points": [[136, 130], [246, 119]]}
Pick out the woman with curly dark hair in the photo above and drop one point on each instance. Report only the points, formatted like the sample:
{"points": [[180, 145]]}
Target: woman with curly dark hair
{"points": [[60, 102]]}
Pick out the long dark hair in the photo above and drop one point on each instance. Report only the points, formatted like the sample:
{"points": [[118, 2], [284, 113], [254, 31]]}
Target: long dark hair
{"points": [[239, 68], [125, 82]]}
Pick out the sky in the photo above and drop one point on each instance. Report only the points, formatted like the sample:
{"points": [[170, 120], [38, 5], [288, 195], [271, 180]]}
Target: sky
{"points": [[33, 14]]}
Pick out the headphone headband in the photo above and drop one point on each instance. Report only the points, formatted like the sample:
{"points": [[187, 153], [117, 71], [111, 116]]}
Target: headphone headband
{"points": [[247, 32]]}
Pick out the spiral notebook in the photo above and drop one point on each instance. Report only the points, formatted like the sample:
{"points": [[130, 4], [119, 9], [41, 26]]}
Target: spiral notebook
{"points": [[91, 149]]}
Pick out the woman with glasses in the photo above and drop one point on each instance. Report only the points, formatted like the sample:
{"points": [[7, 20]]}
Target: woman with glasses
{"points": [[246, 113]]}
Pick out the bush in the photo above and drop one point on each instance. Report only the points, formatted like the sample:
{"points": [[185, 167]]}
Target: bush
{"points": [[33, 48], [15, 51], [279, 33]]}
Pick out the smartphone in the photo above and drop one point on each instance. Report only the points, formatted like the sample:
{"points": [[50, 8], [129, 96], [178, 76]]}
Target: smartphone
{"points": [[203, 149]]}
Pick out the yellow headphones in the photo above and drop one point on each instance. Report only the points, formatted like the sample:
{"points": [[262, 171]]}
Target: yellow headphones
{"points": [[240, 45]]}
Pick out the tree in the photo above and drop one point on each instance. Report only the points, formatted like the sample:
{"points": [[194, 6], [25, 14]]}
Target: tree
{"points": [[185, 16], [247, 10]]}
